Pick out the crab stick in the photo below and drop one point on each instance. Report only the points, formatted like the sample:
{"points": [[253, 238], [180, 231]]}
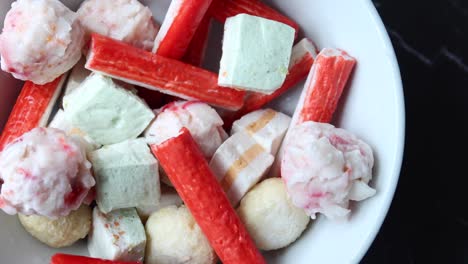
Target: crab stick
{"points": [[302, 58], [32, 109], [203, 195], [73, 259], [223, 9], [324, 86], [179, 26], [124, 62], [196, 50]]}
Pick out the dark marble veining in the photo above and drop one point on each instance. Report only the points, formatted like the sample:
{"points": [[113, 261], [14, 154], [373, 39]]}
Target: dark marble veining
{"points": [[428, 220]]}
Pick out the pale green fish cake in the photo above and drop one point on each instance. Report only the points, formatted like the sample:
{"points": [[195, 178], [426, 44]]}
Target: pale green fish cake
{"points": [[256, 53]]}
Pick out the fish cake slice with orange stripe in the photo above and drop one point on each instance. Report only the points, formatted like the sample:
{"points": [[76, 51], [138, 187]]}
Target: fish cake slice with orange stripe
{"points": [[239, 163]]}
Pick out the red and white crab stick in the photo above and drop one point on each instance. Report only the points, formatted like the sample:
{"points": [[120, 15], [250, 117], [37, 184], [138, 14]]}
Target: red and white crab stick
{"points": [[129, 64], [32, 109], [302, 58], [179, 26], [196, 50], [196, 184], [72, 259], [223, 9], [325, 84]]}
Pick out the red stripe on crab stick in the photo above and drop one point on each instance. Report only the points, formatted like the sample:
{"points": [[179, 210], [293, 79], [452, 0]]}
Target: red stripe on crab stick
{"points": [[223, 9], [197, 48], [302, 58], [32, 109], [179, 26], [324, 86], [72, 259], [129, 64], [193, 179]]}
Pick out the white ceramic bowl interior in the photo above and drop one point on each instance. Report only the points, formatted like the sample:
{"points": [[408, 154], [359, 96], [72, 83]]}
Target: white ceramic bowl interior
{"points": [[372, 108]]}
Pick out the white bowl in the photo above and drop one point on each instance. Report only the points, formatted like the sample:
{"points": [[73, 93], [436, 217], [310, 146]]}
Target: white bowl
{"points": [[372, 108]]}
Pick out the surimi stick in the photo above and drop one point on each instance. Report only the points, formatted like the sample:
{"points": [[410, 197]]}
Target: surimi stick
{"points": [[179, 26], [32, 109], [188, 170], [129, 64], [324, 86], [196, 50], [72, 259], [223, 9], [321, 93], [302, 58]]}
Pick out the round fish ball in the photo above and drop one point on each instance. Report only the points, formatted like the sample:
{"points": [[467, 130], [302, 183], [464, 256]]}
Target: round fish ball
{"points": [[60, 232], [270, 217], [174, 237]]}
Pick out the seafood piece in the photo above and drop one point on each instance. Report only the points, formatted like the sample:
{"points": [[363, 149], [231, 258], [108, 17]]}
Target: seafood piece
{"points": [[175, 237], [256, 53], [221, 10], [125, 20], [61, 232], [325, 167], [200, 119], [267, 127], [44, 172], [206, 200], [118, 235], [72, 259], [51, 40], [302, 58], [324, 86], [239, 163], [105, 111], [126, 175], [270, 217], [121, 61], [179, 27], [32, 109]]}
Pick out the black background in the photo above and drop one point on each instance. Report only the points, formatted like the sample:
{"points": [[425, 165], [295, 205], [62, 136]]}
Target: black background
{"points": [[428, 220]]}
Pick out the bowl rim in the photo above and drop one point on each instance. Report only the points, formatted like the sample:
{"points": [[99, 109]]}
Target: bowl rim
{"points": [[401, 121]]}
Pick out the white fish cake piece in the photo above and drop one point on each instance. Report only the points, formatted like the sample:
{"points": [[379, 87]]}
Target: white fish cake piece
{"points": [[256, 53], [266, 126], [125, 20], [118, 235], [270, 217], [174, 237], [239, 164], [61, 232], [126, 175], [203, 122], [105, 111]]}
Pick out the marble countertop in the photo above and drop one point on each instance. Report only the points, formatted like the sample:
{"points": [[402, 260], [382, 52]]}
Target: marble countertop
{"points": [[428, 220]]}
